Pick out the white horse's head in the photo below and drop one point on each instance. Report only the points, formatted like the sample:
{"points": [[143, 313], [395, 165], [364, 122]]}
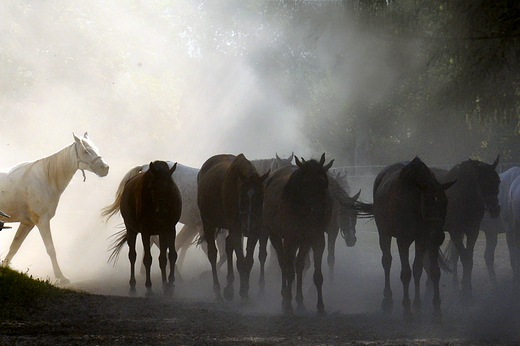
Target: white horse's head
{"points": [[88, 156]]}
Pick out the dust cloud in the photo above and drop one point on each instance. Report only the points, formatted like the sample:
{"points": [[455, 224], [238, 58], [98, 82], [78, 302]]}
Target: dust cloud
{"points": [[178, 81]]}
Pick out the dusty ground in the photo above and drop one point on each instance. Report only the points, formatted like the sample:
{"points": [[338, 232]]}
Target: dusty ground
{"points": [[110, 317]]}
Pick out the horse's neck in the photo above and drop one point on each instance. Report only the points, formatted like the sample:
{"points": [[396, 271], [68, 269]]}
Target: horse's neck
{"points": [[60, 167], [336, 191]]}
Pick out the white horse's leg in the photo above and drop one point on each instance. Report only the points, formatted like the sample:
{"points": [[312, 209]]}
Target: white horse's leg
{"points": [[21, 234], [45, 231]]}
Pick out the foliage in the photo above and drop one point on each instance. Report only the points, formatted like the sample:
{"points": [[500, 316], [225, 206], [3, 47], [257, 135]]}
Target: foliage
{"points": [[19, 292]]}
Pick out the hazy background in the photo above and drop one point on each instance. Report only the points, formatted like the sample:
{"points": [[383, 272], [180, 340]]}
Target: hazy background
{"points": [[182, 81]]}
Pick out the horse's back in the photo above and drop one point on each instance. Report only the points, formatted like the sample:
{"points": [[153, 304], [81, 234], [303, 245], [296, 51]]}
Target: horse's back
{"points": [[209, 191]]}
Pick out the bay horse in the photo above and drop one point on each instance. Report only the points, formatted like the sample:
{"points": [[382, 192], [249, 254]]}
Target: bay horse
{"points": [[475, 192], [150, 205], [410, 205], [297, 211], [230, 196], [31, 192]]}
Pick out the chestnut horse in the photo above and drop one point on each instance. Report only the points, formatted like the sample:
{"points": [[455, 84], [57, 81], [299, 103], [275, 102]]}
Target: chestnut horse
{"points": [[230, 196], [150, 205]]}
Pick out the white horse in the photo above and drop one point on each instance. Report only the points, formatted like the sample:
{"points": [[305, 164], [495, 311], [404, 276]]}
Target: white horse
{"points": [[31, 192]]}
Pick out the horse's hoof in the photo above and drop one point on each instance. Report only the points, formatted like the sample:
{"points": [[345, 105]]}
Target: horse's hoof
{"points": [[301, 310], [149, 294], [287, 309], [387, 305], [407, 316], [64, 281], [229, 293]]}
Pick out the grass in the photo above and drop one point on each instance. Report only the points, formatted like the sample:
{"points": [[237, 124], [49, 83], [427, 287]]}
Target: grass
{"points": [[20, 292]]}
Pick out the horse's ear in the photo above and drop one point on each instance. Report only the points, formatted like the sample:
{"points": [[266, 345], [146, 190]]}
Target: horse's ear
{"points": [[356, 196], [291, 157], [264, 177], [152, 167], [173, 168], [298, 163], [322, 159], [85, 135], [76, 139], [277, 157], [328, 166], [495, 164], [446, 186]]}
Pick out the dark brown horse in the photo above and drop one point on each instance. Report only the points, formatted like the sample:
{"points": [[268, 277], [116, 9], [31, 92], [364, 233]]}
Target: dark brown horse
{"points": [[297, 211], [475, 192], [230, 196], [150, 205], [410, 205]]}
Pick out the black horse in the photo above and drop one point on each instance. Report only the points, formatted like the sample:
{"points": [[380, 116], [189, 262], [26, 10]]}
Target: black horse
{"points": [[410, 205], [475, 192], [151, 205], [230, 196], [297, 211]]}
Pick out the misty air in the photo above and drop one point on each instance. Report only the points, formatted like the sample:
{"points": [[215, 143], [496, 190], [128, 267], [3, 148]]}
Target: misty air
{"points": [[259, 172]]}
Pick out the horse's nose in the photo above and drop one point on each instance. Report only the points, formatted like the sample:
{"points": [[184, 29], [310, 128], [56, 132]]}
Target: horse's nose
{"points": [[102, 169]]}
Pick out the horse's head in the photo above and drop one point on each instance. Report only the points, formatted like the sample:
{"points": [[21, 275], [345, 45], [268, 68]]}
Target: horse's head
{"points": [[161, 188], [88, 156], [347, 219], [488, 184], [250, 200], [279, 162], [433, 200]]}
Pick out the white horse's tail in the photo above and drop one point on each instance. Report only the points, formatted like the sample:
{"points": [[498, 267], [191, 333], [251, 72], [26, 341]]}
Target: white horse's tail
{"points": [[110, 210]]}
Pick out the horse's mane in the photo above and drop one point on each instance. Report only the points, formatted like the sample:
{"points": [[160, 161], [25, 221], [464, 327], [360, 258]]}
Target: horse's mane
{"points": [[243, 165], [112, 209]]}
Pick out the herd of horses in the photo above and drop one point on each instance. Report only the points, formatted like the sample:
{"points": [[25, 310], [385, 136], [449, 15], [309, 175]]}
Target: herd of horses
{"points": [[292, 205]]}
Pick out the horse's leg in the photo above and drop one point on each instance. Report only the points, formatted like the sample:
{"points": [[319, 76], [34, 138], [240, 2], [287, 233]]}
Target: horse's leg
{"points": [[262, 256], [163, 258], [384, 243], [183, 241], [454, 259], [420, 251], [489, 254], [19, 237], [282, 261], [406, 274], [209, 235], [154, 240], [229, 290], [303, 254], [318, 248], [44, 226], [457, 239], [221, 246], [245, 272], [132, 256], [289, 249], [168, 248], [332, 235], [147, 261], [467, 264], [435, 276]]}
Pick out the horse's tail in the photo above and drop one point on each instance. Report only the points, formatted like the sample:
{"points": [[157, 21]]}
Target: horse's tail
{"points": [[121, 238], [446, 260], [109, 211]]}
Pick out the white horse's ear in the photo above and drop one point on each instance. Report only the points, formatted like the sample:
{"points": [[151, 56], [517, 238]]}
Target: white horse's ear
{"points": [[86, 135], [76, 138]]}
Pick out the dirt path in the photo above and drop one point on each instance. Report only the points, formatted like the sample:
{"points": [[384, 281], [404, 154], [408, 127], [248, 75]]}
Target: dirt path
{"points": [[352, 302]]}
